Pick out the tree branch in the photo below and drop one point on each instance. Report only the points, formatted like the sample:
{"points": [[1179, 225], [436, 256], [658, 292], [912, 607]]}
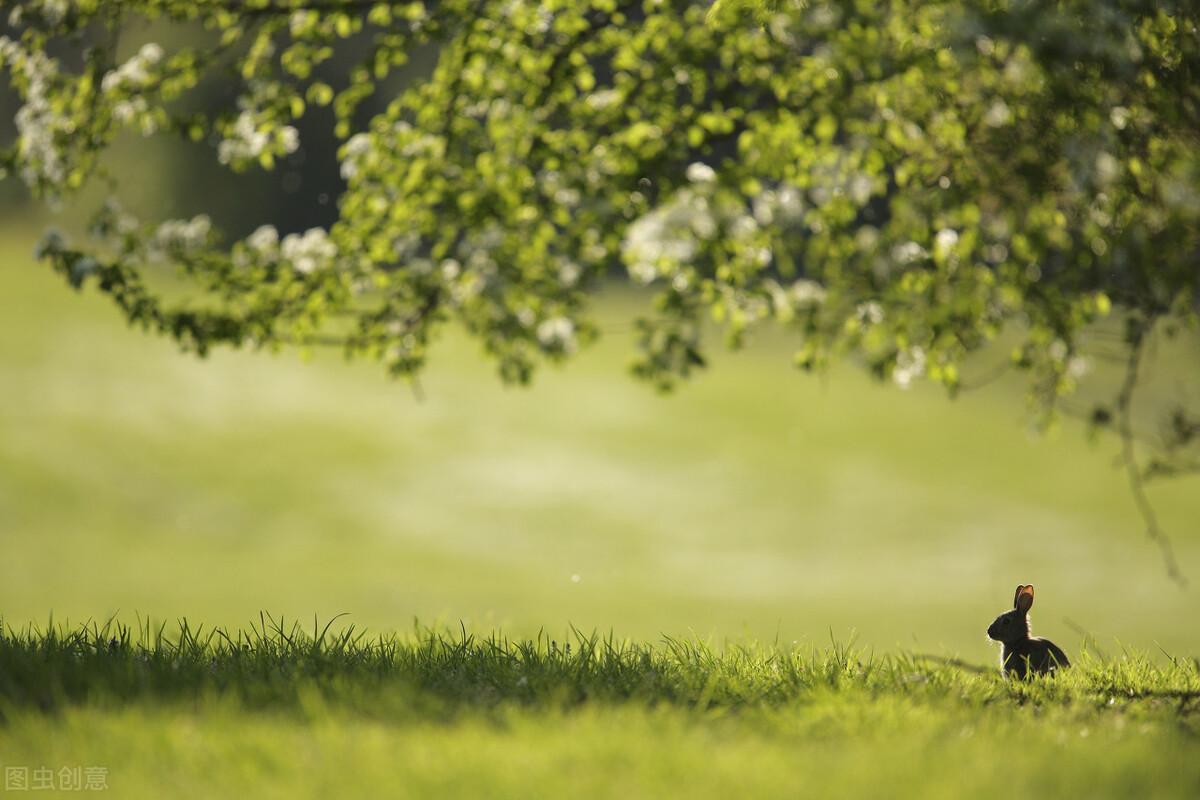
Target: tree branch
{"points": [[1137, 482]]}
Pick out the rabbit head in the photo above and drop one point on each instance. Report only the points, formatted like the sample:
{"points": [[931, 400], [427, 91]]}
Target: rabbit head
{"points": [[1013, 626]]}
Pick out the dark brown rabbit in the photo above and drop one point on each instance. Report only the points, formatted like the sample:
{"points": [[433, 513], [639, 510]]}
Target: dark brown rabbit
{"points": [[1024, 654]]}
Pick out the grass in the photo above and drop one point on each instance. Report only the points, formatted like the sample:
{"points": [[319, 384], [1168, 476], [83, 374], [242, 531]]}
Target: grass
{"points": [[757, 505], [276, 710]]}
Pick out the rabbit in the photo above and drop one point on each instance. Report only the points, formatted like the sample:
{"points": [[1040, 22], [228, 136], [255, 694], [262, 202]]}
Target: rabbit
{"points": [[1024, 654]]}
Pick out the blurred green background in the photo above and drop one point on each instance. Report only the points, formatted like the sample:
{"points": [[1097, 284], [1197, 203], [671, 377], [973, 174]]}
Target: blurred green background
{"points": [[757, 502]]}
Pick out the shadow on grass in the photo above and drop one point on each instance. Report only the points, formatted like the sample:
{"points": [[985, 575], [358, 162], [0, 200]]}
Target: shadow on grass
{"points": [[441, 674]]}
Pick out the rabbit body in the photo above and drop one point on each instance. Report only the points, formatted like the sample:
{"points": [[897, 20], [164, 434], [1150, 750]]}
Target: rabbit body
{"points": [[1023, 654], [1032, 655]]}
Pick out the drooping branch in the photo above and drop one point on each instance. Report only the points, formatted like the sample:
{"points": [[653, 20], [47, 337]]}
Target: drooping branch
{"points": [[1139, 331]]}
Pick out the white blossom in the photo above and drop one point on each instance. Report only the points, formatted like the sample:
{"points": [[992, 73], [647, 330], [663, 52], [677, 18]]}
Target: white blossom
{"points": [[569, 273], [557, 333], [743, 226], [355, 149], [790, 203], [806, 293], [1108, 168], [177, 235], [264, 240], [782, 205], [701, 173], [309, 251], [134, 73], [666, 237], [39, 127], [126, 111], [289, 139], [605, 98], [908, 252], [567, 197], [944, 242], [860, 188], [910, 364], [764, 207], [55, 10], [300, 21], [249, 139], [869, 312], [998, 114]]}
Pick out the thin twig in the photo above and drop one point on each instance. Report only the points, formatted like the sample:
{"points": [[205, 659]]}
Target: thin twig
{"points": [[316, 340], [1137, 483]]}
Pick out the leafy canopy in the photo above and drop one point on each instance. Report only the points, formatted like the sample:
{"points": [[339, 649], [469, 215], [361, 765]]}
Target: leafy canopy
{"points": [[900, 181]]}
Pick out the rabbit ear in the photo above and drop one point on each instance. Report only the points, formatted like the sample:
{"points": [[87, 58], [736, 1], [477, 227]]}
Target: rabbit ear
{"points": [[1024, 599], [1017, 595]]}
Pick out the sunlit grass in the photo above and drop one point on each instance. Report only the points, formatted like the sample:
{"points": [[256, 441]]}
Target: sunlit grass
{"points": [[275, 663], [281, 710]]}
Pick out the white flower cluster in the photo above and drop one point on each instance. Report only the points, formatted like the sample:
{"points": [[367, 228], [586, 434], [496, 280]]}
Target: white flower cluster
{"points": [[659, 242], [135, 73], [307, 252], [249, 138], [354, 152], [869, 313], [944, 247], [701, 173], [569, 272], [126, 80], [115, 228], [39, 126], [264, 240], [908, 253], [910, 364], [301, 22], [668, 238], [802, 295], [466, 276], [554, 187], [831, 181], [412, 142], [253, 133], [784, 205], [126, 111], [998, 114], [177, 236], [112, 223], [602, 99], [52, 11], [360, 152], [557, 333]]}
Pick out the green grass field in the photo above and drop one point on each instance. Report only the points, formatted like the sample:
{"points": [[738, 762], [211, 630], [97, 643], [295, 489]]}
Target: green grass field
{"points": [[278, 712], [758, 508]]}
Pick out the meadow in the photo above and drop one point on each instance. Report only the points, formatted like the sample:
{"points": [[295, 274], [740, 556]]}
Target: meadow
{"points": [[280, 712], [772, 583]]}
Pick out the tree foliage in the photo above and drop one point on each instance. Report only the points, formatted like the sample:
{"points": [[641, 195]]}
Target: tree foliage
{"points": [[900, 181]]}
